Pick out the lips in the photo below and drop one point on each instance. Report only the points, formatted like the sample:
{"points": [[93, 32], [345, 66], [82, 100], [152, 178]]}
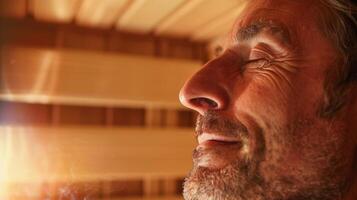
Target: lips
{"points": [[216, 150], [216, 138]]}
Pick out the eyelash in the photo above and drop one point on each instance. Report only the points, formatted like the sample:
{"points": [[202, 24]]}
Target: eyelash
{"points": [[266, 63], [262, 58]]}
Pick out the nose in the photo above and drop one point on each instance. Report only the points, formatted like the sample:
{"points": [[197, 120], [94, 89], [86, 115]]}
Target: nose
{"points": [[205, 90]]}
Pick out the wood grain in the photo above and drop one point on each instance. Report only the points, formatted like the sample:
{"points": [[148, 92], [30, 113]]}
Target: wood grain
{"points": [[84, 154], [91, 78]]}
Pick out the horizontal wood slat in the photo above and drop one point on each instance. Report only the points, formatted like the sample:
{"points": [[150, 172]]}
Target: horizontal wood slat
{"points": [[32, 33], [54, 10], [199, 20], [13, 8], [75, 154], [219, 26], [101, 14], [195, 15], [144, 16], [91, 78]]}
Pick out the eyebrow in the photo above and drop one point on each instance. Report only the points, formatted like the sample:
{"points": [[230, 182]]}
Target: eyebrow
{"points": [[253, 29]]}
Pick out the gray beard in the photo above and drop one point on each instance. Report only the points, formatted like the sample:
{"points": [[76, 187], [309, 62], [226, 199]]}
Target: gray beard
{"points": [[244, 180], [234, 182]]}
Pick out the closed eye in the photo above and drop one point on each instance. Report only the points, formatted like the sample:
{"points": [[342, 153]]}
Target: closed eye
{"points": [[259, 63]]}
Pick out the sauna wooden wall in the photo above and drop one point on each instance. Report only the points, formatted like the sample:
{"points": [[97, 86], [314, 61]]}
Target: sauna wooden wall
{"points": [[28, 33]]}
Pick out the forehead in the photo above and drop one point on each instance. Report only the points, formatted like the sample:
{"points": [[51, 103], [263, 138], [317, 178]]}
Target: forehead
{"points": [[285, 9], [295, 18]]}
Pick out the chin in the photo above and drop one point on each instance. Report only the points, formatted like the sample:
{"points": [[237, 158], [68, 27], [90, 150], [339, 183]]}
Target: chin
{"points": [[321, 172], [236, 181]]}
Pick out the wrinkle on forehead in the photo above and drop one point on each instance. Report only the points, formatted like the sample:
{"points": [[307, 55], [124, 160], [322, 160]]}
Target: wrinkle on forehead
{"points": [[286, 12]]}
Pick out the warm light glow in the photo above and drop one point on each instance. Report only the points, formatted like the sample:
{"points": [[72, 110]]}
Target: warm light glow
{"points": [[219, 26], [38, 160], [44, 80], [65, 76], [143, 15], [54, 10], [26, 165], [195, 15], [99, 13], [46, 75], [16, 166]]}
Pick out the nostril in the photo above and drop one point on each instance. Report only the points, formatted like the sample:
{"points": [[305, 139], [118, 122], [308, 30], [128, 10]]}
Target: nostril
{"points": [[204, 103]]}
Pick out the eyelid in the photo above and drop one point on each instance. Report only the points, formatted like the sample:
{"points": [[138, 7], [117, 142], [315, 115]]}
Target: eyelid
{"points": [[263, 63], [257, 53], [260, 63], [257, 60], [265, 50], [276, 46], [272, 44]]}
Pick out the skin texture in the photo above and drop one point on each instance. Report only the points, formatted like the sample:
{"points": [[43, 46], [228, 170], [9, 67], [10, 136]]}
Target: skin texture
{"points": [[264, 91]]}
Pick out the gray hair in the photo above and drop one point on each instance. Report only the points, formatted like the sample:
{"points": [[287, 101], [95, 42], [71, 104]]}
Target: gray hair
{"points": [[339, 24]]}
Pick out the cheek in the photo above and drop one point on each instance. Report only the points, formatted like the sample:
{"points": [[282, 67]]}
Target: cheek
{"points": [[307, 150], [265, 98]]}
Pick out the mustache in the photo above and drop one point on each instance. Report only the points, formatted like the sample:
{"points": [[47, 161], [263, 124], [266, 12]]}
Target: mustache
{"points": [[213, 122]]}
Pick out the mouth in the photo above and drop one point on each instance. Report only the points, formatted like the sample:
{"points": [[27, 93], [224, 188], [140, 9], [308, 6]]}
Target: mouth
{"points": [[209, 139], [217, 150]]}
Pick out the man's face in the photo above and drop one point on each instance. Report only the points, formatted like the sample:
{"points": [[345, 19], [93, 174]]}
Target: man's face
{"points": [[259, 133]]}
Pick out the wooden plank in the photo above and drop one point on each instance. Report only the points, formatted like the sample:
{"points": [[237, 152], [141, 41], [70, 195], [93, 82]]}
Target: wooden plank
{"points": [[109, 116], [81, 115], [39, 155], [27, 32], [121, 188], [143, 16], [13, 8], [100, 14], [181, 12], [143, 44], [187, 118], [91, 78], [194, 15], [219, 26], [171, 118], [81, 38], [34, 33], [129, 117], [176, 48], [169, 186], [56, 115], [21, 113], [151, 186], [154, 117], [53, 10]]}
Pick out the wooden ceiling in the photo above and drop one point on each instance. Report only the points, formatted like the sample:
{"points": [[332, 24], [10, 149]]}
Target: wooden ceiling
{"points": [[200, 20]]}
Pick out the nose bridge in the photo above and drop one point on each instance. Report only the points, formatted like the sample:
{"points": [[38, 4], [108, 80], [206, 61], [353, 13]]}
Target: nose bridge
{"points": [[208, 89]]}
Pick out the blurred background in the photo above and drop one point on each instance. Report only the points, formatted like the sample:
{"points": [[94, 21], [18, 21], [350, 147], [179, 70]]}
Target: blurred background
{"points": [[89, 103]]}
